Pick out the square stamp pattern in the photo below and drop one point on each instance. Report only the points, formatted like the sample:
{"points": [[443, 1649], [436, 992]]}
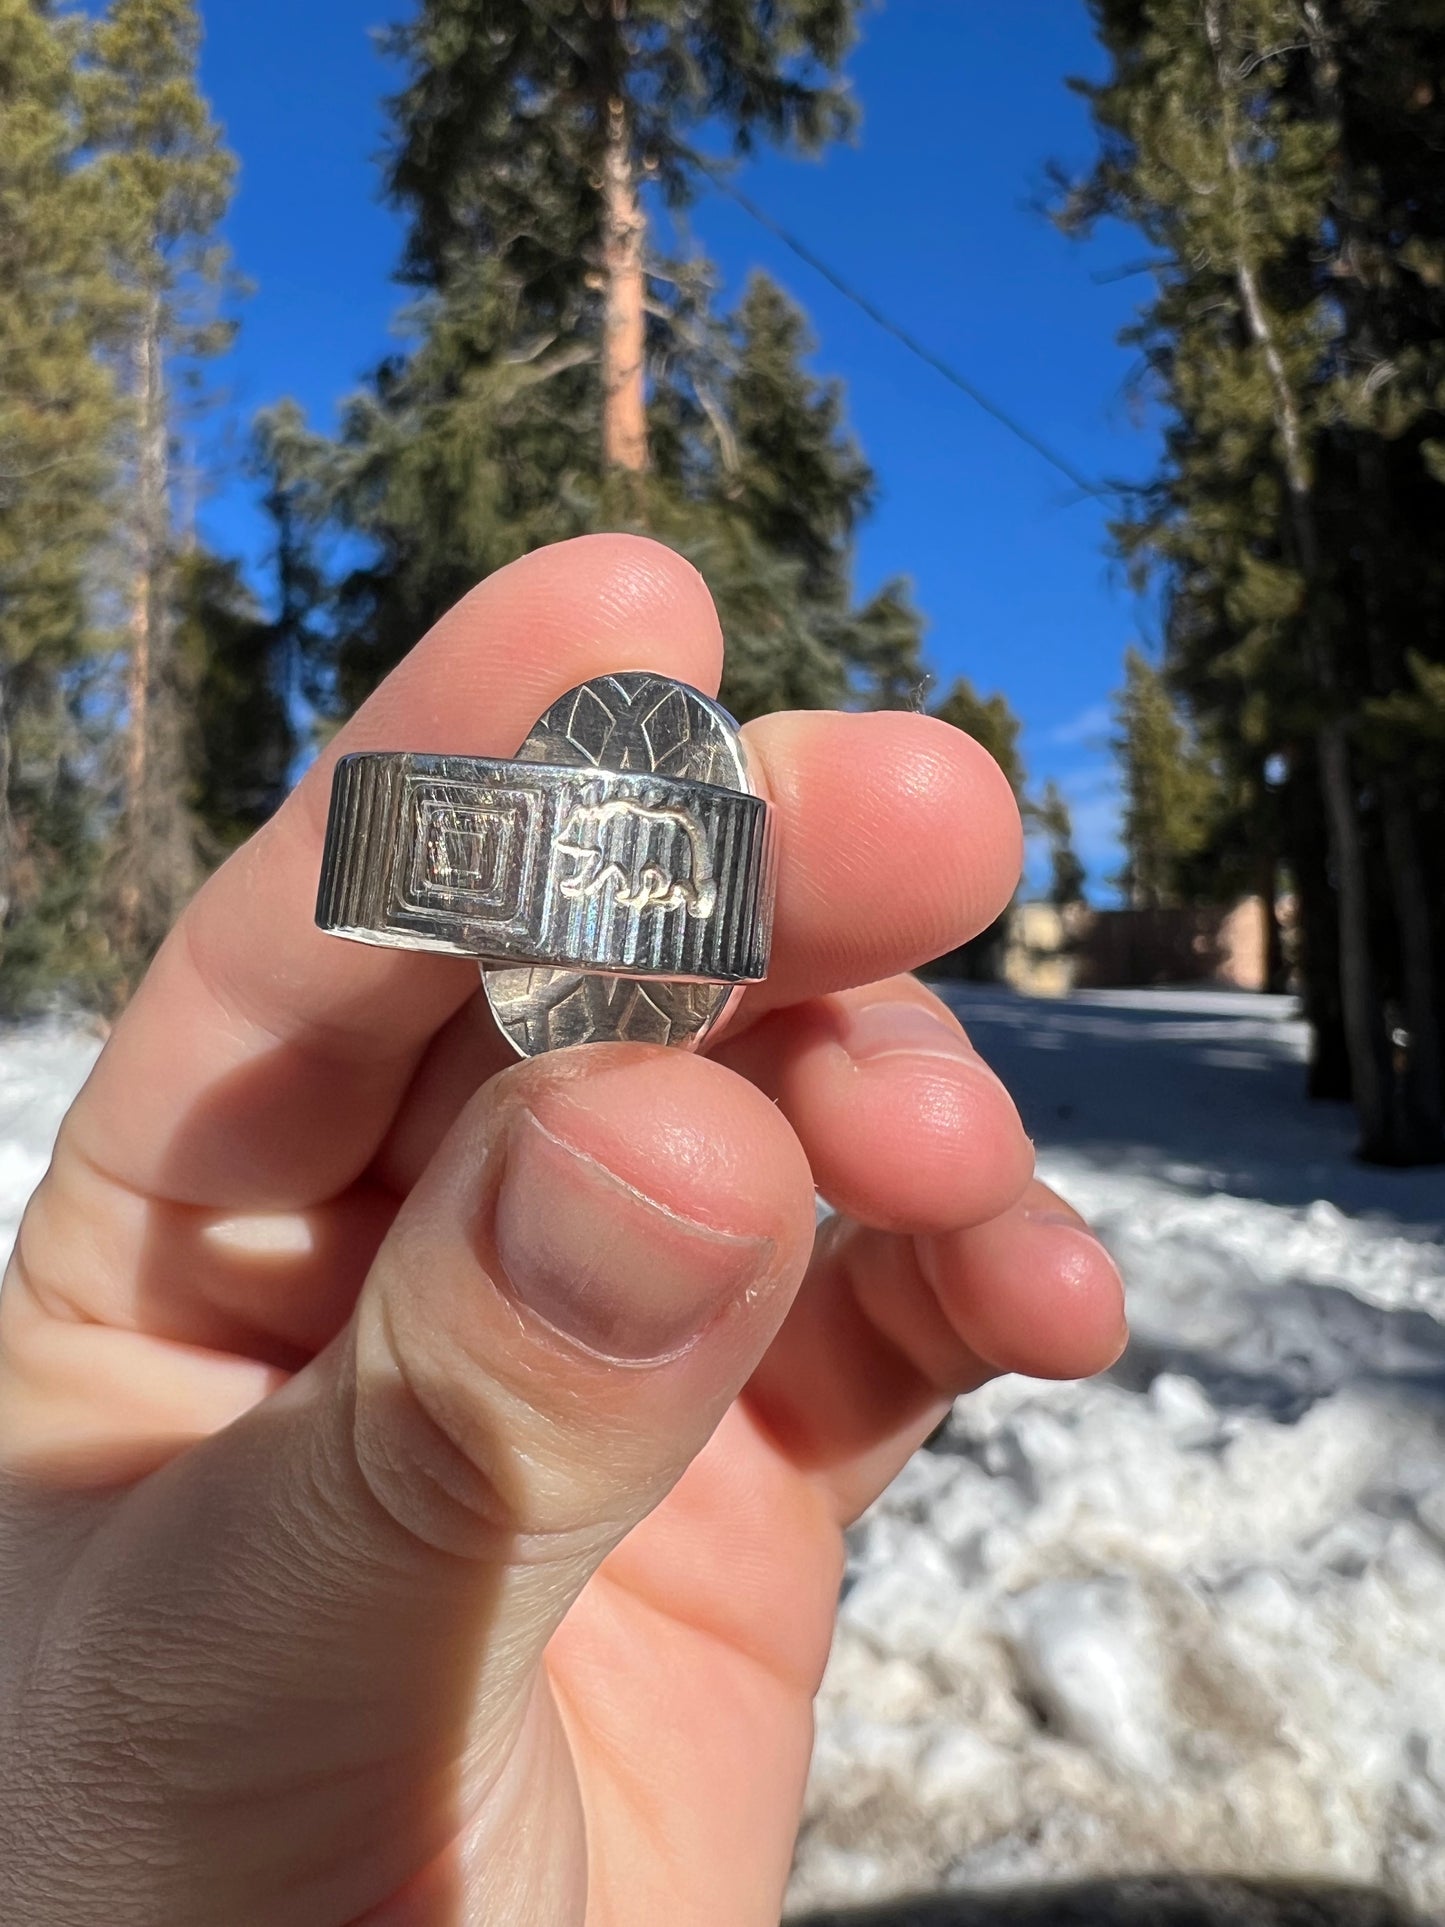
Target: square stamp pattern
{"points": [[466, 862]]}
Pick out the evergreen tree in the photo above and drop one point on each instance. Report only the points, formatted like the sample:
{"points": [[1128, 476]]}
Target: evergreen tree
{"points": [[990, 721], [567, 378], [1281, 156], [789, 466], [1169, 789], [992, 724], [242, 741], [1067, 874], [527, 128], [297, 648], [164, 177], [56, 413], [778, 490]]}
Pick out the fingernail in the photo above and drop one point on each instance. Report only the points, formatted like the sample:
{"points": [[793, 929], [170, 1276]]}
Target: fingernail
{"points": [[903, 1030], [604, 1264]]}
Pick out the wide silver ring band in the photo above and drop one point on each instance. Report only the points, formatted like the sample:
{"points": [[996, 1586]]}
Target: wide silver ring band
{"points": [[598, 870]]}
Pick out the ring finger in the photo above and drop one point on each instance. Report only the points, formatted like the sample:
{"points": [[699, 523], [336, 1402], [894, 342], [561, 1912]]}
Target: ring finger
{"points": [[888, 1330]]}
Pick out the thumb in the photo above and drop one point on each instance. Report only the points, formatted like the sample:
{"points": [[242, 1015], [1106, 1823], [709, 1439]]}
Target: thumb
{"points": [[337, 1607]]}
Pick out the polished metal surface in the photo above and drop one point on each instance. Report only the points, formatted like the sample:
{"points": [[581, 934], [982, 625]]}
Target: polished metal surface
{"points": [[596, 869], [623, 839], [635, 721]]}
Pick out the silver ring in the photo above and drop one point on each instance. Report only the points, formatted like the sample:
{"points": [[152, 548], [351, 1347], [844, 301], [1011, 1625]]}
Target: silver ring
{"points": [[615, 879]]}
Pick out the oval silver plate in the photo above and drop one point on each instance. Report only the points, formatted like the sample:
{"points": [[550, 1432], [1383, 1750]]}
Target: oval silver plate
{"points": [[633, 721]]}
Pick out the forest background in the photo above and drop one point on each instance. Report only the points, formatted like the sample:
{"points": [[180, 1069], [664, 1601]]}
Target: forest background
{"points": [[570, 357]]}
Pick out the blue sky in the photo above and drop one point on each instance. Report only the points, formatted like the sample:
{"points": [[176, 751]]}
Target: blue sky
{"points": [[933, 213]]}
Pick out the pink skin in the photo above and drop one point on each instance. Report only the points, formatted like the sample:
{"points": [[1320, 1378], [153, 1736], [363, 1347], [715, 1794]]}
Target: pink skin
{"points": [[425, 1474]]}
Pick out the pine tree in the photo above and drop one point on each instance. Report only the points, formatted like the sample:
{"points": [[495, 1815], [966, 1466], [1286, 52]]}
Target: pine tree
{"points": [[165, 180], [527, 128], [990, 721], [1374, 84], [298, 649], [786, 466], [789, 467], [56, 413], [566, 377], [1067, 875], [1169, 789], [993, 723], [230, 658], [1281, 156]]}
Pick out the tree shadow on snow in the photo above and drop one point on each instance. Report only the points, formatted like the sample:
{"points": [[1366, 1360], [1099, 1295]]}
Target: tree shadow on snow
{"points": [[1204, 1088], [1166, 1901]]}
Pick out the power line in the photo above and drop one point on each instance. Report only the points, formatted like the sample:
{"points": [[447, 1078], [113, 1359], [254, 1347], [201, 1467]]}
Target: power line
{"points": [[903, 336], [899, 333]]}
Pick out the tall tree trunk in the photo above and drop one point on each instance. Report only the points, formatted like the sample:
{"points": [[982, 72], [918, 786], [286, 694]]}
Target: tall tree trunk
{"points": [[1421, 1122], [1360, 1003], [1362, 1010], [1421, 1125], [1317, 930], [1424, 1098], [7, 815], [151, 511], [624, 320]]}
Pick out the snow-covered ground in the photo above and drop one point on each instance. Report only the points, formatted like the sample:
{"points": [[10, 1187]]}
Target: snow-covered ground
{"points": [[1191, 1617], [42, 1066]]}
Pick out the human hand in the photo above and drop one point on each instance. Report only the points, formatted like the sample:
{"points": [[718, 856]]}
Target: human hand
{"points": [[424, 1474]]}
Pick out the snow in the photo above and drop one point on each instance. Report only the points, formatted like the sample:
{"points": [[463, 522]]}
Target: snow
{"points": [[42, 1066], [1190, 1617]]}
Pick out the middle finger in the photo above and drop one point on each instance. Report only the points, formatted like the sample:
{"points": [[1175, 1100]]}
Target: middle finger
{"points": [[898, 839]]}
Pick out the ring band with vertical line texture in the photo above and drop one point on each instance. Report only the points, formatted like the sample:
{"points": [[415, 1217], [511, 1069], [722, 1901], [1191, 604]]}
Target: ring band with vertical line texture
{"points": [[598, 870]]}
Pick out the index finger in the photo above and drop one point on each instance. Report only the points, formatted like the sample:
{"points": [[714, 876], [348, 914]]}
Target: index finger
{"points": [[260, 1062]]}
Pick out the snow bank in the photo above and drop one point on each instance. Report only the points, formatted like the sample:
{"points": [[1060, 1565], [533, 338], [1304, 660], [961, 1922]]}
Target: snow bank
{"points": [[42, 1066], [1191, 1617]]}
